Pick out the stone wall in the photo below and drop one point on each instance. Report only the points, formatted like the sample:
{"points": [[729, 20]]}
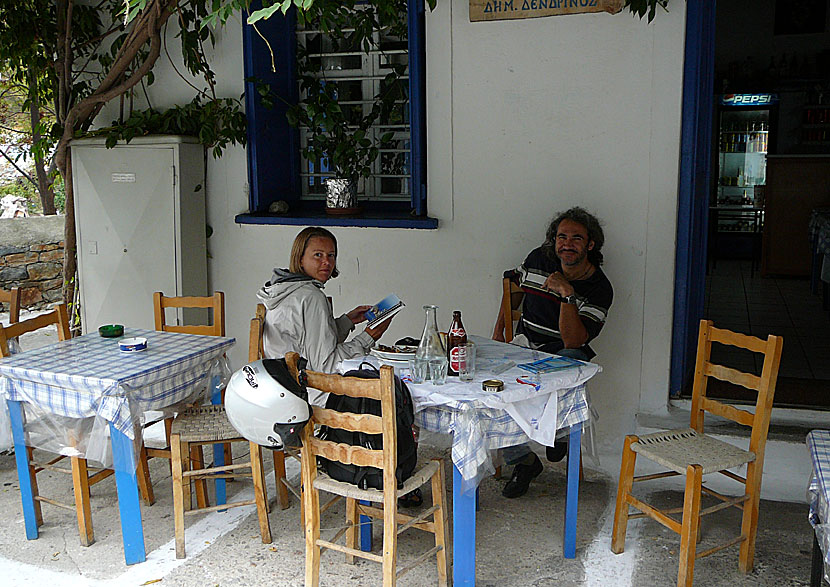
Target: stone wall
{"points": [[31, 258]]}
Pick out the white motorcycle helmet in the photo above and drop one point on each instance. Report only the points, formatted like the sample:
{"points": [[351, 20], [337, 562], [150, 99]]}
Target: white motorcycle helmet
{"points": [[266, 405]]}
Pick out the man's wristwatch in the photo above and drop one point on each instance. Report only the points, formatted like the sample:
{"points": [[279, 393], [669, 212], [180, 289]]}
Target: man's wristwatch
{"points": [[572, 299]]}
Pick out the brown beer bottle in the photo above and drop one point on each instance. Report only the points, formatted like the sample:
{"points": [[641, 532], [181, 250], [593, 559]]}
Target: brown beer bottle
{"points": [[456, 336]]}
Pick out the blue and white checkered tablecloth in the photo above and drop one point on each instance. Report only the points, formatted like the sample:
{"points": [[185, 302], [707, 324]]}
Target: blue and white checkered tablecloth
{"points": [[483, 421], [818, 494], [89, 376], [477, 429], [819, 229]]}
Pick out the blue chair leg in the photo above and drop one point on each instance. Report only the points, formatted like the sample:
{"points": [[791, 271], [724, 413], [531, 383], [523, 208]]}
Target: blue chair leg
{"points": [[218, 449], [132, 531], [27, 494], [464, 532], [572, 497]]}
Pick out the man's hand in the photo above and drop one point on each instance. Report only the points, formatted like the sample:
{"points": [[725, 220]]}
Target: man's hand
{"points": [[559, 284], [378, 330], [358, 314]]}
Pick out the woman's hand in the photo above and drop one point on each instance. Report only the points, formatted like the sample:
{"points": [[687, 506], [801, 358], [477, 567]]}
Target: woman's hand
{"points": [[358, 314], [378, 330]]}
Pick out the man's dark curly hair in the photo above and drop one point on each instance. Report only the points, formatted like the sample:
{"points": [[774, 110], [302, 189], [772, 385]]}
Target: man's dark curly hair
{"points": [[586, 219]]}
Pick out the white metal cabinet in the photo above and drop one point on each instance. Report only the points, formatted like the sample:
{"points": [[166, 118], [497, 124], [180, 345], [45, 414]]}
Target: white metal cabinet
{"points": [[140, 219]]}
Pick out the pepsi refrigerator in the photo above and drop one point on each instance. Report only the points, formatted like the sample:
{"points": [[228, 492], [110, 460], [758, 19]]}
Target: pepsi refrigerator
{"points": [[746, 126]]}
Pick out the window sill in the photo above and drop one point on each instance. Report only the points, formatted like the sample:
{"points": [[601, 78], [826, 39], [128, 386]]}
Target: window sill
{"points": [[369, 219]]}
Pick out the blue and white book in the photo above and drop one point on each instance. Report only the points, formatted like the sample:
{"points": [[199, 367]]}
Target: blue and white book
{"points": [[550, 364], [383, 310]]}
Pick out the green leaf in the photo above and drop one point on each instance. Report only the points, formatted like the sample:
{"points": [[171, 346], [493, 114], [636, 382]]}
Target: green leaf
{"points": [[262, 13]]}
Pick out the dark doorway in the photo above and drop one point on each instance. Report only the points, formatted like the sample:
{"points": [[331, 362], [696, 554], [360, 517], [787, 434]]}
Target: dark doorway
{"points": [[758, 258]]}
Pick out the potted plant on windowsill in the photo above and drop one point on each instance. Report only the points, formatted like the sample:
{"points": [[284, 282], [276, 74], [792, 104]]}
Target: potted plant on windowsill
{"points": [[340, 138]]}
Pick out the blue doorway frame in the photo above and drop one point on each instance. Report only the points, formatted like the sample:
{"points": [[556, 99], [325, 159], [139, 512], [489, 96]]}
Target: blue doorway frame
{"points": [[693, 190]]}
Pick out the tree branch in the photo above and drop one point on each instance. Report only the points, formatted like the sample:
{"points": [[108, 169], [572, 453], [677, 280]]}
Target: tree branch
{"points": [[21, 171], [111, 88]]}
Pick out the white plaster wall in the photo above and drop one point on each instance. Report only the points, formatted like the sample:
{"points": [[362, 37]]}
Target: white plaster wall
{"points": [[525, 118]]}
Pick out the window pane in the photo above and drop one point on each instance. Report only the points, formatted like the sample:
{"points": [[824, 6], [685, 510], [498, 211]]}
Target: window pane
{"points": [[356, 78]]}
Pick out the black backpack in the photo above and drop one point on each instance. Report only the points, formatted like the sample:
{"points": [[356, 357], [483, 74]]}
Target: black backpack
{"points": [[365, 477]]}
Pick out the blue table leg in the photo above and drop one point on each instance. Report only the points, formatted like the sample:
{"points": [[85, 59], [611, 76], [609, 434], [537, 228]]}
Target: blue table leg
{"points": [[572, 496], [23, 478], [132, 531], [464, 532], [365, 531], [218, 449]]}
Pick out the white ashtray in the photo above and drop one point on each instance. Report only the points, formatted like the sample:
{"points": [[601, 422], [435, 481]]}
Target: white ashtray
{"points": [[133, 344]]}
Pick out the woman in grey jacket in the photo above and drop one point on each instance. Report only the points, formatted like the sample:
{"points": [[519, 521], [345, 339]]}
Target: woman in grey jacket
{"points": [[299, 317]]}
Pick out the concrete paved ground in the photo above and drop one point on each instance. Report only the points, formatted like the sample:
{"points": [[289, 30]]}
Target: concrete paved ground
{"points": [[519, 542]]}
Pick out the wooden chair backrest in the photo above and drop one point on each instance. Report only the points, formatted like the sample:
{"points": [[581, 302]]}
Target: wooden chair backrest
{"points": [[511, 302], [57, 316], [216, 302], [764, 384], [255, 350], [12, 298], [382, 389]]}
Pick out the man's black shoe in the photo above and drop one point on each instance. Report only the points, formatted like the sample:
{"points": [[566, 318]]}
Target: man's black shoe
{"points": [[521, 478], [557, 452]]}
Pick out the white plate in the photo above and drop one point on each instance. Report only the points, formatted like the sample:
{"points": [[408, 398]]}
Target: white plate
{"points": [[386, 356]]}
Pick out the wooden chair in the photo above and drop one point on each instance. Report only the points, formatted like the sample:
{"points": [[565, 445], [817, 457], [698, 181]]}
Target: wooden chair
{"points": [[692, 453], [12, 298], [82, 480], [255, 353], [383, 390], [215, 327], [511, 306], [210, 425]]}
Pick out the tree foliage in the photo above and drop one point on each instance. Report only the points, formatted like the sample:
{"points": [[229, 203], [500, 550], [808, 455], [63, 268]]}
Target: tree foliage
{"points": [[72, 58]]}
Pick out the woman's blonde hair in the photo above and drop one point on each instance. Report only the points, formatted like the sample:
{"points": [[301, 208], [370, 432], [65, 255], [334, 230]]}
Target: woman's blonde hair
{"points": [[301, 243]]}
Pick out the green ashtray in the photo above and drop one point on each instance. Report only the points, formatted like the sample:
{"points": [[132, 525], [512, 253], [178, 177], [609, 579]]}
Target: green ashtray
{"points": [[111, 330]]}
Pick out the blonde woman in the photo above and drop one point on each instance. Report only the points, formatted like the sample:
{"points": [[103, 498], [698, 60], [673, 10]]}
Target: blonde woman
{"points": [[299, 317]]}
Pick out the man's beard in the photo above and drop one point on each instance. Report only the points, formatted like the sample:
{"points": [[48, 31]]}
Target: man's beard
{"points": [[577, 260]]}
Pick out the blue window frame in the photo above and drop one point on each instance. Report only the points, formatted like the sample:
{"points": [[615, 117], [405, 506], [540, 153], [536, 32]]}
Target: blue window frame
{"points": [[274, 159]]}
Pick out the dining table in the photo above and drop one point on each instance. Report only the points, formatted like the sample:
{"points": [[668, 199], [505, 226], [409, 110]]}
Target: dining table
{"points": [[818, 443], [85, 397], [481, 422]]}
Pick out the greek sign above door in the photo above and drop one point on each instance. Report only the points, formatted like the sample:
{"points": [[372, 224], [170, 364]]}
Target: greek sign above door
{"points": [[510, 9]]}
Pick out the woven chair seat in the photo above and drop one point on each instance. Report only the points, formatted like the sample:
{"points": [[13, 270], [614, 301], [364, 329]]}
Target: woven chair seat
{"points": [[420, 477], [205, 424], [677, 449]]}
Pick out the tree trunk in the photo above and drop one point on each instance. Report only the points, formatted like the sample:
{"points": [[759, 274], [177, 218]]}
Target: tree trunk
{"points": [[44, 183], [69, 243]]}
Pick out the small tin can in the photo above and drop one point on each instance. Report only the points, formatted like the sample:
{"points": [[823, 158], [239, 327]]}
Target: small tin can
{"points": [[492, 385]]}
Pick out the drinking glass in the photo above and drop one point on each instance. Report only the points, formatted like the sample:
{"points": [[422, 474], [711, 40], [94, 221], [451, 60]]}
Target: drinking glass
{"points": [[438, 370], [419, 370], [467, 362]]}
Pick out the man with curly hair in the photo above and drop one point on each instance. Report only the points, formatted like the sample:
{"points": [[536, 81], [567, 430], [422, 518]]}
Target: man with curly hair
{"points": [[566, 301]]}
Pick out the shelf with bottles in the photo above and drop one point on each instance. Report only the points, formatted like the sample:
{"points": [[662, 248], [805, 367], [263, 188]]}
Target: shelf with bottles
{"points": [[733, 154], [815, 134], [744, 137], [739, 219], [742, 198], [816, 114], [739, 180]]}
